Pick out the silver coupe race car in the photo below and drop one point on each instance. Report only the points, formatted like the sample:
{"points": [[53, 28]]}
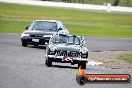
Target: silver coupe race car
{"points": [[66, 49]]}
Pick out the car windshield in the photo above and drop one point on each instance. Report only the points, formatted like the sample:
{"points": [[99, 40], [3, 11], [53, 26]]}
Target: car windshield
{"points": [[66, 39], [44, 26]]}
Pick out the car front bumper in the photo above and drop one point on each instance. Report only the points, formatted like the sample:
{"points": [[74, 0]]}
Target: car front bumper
{"points": [[67, 59], [39, 40]]}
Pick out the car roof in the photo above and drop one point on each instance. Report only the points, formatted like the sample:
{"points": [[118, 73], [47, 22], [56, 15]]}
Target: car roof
{"points": [[48, 20]]}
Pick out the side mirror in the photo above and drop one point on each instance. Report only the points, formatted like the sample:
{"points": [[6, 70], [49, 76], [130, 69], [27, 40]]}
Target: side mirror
{"points": [[26, 27], [59, 29]]}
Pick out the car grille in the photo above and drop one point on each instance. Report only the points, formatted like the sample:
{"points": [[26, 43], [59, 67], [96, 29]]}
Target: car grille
{"points": [[36, 35], [68, 53]]}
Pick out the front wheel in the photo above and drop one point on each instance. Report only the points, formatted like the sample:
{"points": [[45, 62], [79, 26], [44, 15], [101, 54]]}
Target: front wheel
{"points": [[48, 63], [82, 64], [35, 45], [24, 44]]}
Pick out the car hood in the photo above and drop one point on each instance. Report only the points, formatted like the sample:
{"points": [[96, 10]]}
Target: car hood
{"points": [[68, 47], [38, 32]]}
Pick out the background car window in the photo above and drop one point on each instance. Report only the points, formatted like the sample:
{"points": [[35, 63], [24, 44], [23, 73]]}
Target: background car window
{"points": [[44, 25]]}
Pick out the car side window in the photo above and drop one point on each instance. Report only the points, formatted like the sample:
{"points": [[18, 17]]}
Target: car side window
{"points": [[29, 26], [61, 26]]}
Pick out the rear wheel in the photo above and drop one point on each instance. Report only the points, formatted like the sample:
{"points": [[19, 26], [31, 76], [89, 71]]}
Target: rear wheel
{"points": [[24, 44]]}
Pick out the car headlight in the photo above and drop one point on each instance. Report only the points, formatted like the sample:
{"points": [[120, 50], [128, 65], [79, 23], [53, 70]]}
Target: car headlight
{"points": [[52, 47], [84, 50], [23, 34]]}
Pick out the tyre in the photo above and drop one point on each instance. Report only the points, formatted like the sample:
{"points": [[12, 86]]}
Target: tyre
{"points": [[48, 63], [82, 64], [36, 45], [24, 44]]}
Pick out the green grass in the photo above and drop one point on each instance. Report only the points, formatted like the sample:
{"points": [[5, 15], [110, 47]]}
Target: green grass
{"points": [[13, 18], [107, 31], [12, 25], [127, 57]]}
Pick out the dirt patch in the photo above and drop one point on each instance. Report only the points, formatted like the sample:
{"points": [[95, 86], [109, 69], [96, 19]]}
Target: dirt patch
{"points": [[109, 58]]}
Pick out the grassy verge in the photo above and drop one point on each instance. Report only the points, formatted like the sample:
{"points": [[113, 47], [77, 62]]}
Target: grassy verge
{"points": [[12, 25], [79, 22], [38, 12], [127, 57]]}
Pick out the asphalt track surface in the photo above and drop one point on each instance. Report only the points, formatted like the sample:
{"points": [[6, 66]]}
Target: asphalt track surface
{"points": [[23, 67], [108, 44]]}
